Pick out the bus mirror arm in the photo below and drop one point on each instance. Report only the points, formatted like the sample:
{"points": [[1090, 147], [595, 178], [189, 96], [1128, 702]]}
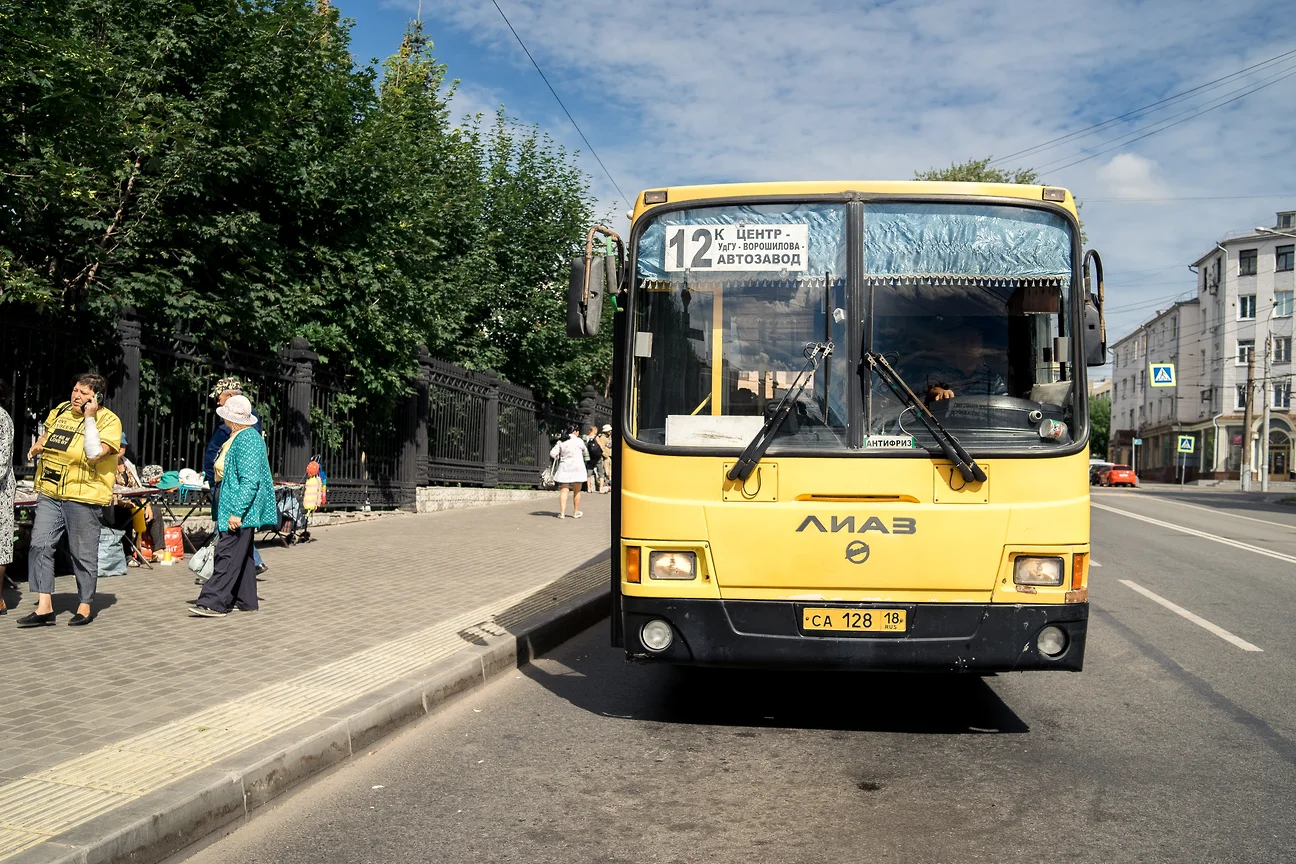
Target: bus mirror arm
{"points": [[755, 449], [949, 445], [1095, 323], [593, 276]]}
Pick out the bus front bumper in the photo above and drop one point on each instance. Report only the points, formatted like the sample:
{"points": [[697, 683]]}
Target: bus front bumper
{"points": [[957, 637]]}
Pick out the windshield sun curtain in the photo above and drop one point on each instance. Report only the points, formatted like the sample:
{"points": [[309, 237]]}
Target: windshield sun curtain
{"points": [[969, 303]]}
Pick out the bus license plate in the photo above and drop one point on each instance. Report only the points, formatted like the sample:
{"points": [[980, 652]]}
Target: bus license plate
{"points": [[854, 620]]}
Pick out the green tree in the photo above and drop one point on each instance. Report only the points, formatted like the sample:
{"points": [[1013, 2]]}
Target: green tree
{"points": [[979, 171], [1099, 426]]}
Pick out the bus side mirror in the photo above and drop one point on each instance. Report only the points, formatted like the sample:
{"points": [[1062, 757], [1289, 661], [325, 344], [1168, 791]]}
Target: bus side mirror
{"points": [[1095, 325], [592, 278]]}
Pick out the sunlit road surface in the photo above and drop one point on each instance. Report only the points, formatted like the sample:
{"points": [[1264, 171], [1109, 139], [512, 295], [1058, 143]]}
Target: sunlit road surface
{"points": [[1176, 744]]}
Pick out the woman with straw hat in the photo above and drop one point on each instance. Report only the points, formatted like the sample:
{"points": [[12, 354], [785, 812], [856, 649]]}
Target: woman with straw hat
{"points": [[247, 502]]}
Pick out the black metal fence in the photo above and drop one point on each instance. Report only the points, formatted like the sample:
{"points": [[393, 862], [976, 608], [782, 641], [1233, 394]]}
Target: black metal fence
{"points": [[455, 426]]}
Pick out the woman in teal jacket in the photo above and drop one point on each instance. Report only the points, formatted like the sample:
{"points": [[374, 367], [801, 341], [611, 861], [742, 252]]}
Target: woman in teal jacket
{"points": [[247, 502]]}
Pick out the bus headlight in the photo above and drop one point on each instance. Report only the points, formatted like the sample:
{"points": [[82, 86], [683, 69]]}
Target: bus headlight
{"points": [[657, 635], [672, 565], [1037, 571]]}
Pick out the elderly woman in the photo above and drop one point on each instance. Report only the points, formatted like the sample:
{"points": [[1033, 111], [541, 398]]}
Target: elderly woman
{"points": [[571, 454], [247, 502], [6, 490]]}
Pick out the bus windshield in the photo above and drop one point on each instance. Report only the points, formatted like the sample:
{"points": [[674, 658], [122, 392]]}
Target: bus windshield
{"points": [[969, 302]]}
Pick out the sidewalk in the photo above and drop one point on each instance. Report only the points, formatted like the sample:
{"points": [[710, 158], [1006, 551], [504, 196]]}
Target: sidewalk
{"points": [[97, 717]]}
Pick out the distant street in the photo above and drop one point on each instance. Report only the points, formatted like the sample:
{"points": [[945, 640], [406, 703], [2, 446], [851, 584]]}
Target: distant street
{"points": [[1177, 743]]}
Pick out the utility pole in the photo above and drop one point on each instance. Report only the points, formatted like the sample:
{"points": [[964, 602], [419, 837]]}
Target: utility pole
{"points": [[1264, 424], [1245, 473]]}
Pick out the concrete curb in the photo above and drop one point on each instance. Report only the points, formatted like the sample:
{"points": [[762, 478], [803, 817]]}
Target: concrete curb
{"points": [[223, 796]]}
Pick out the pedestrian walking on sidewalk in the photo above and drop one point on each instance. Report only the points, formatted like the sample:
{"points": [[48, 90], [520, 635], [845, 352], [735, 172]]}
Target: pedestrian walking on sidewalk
{"points": [[572, 455], [593, 457], [247, 502], [224, 389], [74, 483], [603, 471], [6, 489]]}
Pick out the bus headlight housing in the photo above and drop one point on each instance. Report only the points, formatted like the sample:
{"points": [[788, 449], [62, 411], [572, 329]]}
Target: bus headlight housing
{"points": [[672, 565], [1029, 570]]}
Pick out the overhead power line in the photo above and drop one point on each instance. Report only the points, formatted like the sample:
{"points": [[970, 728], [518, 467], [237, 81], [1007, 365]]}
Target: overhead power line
{"points": [[1209, 85], [593, 152], [1163, 125]]}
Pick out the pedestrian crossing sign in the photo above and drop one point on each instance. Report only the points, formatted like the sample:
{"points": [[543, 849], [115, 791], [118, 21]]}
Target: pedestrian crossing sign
{"points": [[1187, 444], [1163, 374]]}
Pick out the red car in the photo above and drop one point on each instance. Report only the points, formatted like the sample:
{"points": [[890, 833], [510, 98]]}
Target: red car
{"points": [[1118, 475]]}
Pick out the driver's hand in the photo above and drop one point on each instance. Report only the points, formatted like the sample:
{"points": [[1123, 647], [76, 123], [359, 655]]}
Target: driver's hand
{"points": [[936, 393]]}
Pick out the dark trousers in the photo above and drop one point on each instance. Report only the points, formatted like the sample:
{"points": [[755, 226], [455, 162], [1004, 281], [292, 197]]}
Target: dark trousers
{"points": [[81, 524], [233, 580]]}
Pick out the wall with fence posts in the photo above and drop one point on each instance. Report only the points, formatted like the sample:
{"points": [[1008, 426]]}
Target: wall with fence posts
{"points": [[454, 426]]}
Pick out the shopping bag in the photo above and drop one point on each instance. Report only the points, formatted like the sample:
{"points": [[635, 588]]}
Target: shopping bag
{"points": [[174, 537], [203, 563], [547, 475], [112, 558]]}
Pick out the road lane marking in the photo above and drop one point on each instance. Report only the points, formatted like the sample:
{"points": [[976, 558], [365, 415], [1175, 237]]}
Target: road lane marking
{"points": [[1286, 525], [1173, 527], [1196, 619], [1093, 563]]}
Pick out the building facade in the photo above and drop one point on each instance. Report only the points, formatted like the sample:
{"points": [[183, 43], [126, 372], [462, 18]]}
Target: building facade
{"points": [[1243, 311]]}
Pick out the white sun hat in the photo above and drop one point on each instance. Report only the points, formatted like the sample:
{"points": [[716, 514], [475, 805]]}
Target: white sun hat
{"points": [[237, 409]]}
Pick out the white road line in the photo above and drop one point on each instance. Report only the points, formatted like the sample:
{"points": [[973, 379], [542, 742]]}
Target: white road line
{"points": [[1196, 619], [1152, 497], [1173, 527], [1093, 563]]}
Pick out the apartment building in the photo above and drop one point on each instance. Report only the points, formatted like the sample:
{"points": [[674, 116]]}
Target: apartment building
{"points": [[1243, 309]]}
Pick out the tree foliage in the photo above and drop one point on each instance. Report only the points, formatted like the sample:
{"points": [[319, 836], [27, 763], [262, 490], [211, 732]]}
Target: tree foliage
{"points": [[1099, 426], [979, 171], [227, 170]]}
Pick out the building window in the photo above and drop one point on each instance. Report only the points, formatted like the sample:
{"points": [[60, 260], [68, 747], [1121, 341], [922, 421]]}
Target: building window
{"points": [[1283, 302], [1283, 258], [1285, 220], [1247, 262], [1246, 350], [1246, 307], [1282, 349], [1206, 397], [1282, 394], [1241, 401]]}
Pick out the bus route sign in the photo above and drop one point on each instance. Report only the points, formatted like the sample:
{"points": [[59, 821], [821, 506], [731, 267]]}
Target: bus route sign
{"points": [[702, 248]]}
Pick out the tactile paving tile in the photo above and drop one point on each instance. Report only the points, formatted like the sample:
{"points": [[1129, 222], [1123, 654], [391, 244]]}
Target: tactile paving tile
{"points": [[12, 842], [43, 807], [125, 771]]}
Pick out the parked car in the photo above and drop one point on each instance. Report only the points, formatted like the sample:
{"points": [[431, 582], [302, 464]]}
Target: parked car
{"points": [[1095, 471], [1118, 475]]}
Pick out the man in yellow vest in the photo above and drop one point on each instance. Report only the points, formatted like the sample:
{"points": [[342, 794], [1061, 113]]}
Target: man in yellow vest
{"points": [[74, 482]]}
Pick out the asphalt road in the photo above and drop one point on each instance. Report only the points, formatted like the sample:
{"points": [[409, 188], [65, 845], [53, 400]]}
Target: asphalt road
{"points": [[1174, 745]]}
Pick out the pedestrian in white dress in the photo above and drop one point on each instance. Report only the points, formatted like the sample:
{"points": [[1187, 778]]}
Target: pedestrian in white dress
{"points": [[6, 490], [570, 474]]}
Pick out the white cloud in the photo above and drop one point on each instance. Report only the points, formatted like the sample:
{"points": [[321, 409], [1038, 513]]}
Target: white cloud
{"points": [[1129, 175]]}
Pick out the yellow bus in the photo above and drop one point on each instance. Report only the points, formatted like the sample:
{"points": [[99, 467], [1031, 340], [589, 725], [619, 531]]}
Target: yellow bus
{"points": [[851, 424]]}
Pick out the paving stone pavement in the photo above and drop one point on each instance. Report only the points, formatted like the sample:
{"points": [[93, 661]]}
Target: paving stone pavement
{"points": [[144, 661]]}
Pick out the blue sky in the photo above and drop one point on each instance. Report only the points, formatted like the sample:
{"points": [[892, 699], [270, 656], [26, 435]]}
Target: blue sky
{"points": [[672, 92]]}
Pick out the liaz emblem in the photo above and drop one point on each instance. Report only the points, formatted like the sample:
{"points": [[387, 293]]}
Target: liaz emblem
{"points": [[899, 525]]}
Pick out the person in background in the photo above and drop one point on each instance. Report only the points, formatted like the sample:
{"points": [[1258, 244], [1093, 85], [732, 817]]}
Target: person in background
{"points": [[6, 490], [247, 502], [74, 482], [603, 471], [224, 389], [571, 472], [593, 457]]}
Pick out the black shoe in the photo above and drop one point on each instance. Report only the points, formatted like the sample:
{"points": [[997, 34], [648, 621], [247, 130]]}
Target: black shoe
{"points": [[261, 568], [79, 620], [31, 619], [203, 612]]}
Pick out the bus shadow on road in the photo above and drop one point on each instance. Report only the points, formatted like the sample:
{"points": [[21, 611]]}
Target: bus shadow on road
{"points": [[845, 701]]}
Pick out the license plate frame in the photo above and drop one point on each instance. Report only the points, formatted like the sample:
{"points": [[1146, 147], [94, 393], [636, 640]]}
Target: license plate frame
{"points": [[866, 622]]}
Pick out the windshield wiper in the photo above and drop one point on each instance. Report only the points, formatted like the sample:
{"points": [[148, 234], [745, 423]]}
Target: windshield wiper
{"points": [[953, 450], [814, 353]]}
